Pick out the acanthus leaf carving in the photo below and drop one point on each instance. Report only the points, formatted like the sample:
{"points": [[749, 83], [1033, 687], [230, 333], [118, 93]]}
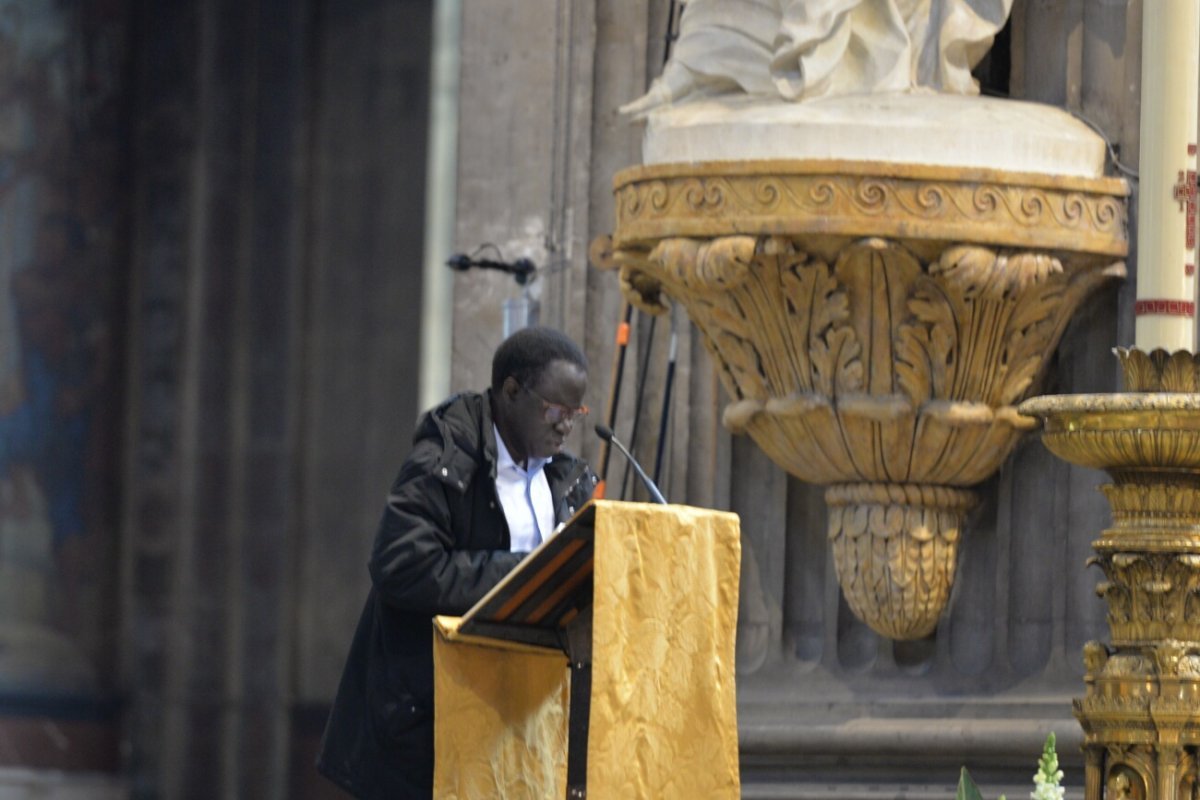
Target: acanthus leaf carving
{"points": [[740, 362], [1032, 269], [827, 351], [969, 271], [980, 302], [837, 363], [1032, 323], [1158, 370], [642, 290], [925, 354], [702, 275], [870, 332], [723, 264]]}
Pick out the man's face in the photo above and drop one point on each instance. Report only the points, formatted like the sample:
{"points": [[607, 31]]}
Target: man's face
{"points": [[528, 416]]}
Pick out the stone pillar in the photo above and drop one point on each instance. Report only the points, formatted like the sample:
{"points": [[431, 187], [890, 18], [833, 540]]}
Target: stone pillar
{"points": [[272, 381]]}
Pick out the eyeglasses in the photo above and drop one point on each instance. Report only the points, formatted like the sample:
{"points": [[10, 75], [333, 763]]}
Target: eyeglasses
{"points": [[555, 413]]}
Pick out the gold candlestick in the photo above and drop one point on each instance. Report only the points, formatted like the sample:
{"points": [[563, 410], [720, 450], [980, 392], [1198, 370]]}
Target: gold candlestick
{"points": [[1141, 709]]}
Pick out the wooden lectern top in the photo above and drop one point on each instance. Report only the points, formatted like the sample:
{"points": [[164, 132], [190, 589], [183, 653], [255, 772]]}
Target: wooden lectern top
{"points": [[535, 602]]}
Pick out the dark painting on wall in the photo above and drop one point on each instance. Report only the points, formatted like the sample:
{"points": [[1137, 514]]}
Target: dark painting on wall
{"points": [[62, 243]]}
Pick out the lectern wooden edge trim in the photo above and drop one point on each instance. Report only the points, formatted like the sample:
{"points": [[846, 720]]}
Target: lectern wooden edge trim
{"points": [[545, 592]]}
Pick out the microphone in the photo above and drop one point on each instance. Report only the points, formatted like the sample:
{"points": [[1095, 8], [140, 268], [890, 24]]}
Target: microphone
{"points": [[606, 433], [522, 269]]}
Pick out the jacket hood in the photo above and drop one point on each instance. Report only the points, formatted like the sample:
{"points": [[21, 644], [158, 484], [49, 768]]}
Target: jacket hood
{"points": [[461, 428]]}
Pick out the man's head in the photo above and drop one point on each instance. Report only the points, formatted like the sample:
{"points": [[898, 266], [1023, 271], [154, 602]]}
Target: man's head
{"points": [[539, 377]]}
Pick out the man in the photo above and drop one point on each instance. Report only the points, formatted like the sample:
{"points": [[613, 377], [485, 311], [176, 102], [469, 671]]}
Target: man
{"points": [[486, 481]]}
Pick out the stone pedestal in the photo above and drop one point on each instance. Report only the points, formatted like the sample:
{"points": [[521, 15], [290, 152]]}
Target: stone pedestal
{"points": [[875, 322]]}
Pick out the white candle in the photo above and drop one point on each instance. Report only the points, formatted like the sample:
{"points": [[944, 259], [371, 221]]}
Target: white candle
{"points": [[1166, 252]]}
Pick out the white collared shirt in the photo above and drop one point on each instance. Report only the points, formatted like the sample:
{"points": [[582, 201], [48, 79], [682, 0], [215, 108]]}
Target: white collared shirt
{"points": [[525, 498]]}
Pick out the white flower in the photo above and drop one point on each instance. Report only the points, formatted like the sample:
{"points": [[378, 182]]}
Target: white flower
{"points": [[1047, 791], [1047, 781]]}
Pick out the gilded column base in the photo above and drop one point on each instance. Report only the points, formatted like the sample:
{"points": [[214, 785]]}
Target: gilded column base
{"points": [[1141, 710], [1140, 721]]}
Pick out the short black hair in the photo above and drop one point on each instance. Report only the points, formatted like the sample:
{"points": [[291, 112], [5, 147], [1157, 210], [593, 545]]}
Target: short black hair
{"points": [[529, 351]]}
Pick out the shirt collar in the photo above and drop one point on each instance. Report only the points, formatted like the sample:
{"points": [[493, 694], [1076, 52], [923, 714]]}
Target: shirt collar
{"points": [[504, 458]]}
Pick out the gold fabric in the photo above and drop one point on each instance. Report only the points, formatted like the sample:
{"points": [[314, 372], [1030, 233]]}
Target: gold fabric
{"points": [[664, 716], [663, 708], [500, 718]]}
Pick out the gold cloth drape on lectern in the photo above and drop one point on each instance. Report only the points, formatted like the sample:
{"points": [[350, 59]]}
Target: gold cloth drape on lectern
{"points": [[663, 706], [501, 711]]}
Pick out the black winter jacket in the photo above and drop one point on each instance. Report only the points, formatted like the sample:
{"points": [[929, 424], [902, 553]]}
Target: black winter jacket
{"points": [[442, 544]]}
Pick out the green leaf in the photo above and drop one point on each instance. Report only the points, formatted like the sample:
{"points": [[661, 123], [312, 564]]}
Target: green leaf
{"points": [[967, 790]]}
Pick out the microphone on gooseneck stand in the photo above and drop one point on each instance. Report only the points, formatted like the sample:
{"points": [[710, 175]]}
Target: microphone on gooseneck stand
{"points": [[606, 433]]}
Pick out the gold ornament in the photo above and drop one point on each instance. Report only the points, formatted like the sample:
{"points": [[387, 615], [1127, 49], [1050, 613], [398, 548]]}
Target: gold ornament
{"points": [[1141, 709], [874, 333]]}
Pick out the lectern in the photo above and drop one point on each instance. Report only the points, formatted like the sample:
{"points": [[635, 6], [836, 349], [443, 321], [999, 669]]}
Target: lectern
{"points": [[602, 667]]}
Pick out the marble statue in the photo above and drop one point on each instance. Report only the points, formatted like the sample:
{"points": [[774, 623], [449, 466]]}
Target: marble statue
{"points": [[803, 49]]}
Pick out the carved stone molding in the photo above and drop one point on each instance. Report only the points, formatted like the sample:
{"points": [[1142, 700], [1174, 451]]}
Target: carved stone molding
{"points": [[874, 334], [853, 199], [894, 548], [878, 366]]}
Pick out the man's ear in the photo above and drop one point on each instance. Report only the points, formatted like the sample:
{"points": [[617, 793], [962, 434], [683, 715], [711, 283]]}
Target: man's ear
{"points": [[510, 388]]}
